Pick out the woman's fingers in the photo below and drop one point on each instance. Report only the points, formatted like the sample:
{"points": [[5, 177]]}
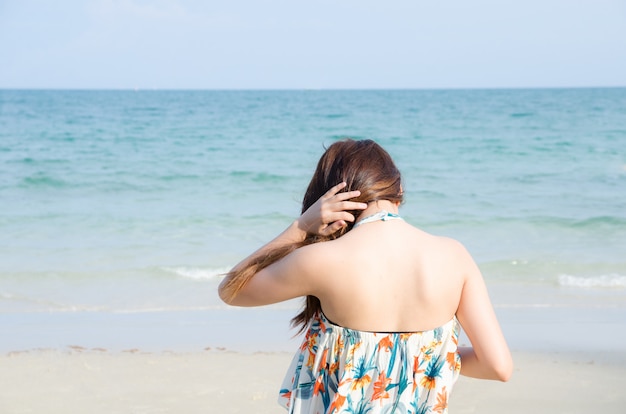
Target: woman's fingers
{"points": [[332, 228], [332, 211], [333, 196], [336, 207], [335, 192], [346, 195], [351, 205], [342, 212], [332, 217], [335, 189]]}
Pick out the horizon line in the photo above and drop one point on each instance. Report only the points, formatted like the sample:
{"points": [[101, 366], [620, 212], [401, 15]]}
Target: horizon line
{"points": [[167, 89]]}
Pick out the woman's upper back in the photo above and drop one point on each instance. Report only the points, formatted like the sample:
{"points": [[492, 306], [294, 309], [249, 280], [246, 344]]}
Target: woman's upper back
{"points": [[388, 276]]}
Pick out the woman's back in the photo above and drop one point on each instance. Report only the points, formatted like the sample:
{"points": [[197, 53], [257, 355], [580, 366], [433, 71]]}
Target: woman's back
{"points": [[388, 276], [386, 338]]}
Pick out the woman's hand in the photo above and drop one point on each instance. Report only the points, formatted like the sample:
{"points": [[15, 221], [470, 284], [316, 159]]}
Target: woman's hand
{"points": [[330, 213]]}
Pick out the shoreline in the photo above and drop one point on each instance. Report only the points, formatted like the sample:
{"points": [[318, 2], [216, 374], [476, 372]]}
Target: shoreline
{"points": [[529, 325], [132, 381]]}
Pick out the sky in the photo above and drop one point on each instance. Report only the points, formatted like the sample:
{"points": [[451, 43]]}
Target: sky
{"points": [[324, 44]]}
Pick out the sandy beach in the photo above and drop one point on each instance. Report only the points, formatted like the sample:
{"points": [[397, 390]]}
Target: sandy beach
{"points": [[569, 357], [220, 381]]}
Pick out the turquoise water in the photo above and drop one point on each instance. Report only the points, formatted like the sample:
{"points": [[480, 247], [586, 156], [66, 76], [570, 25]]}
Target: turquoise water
{"points": [[123, 201]]}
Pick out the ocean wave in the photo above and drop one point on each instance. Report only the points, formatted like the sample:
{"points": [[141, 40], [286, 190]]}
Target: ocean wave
{"points": [[42, 181], [595, 223], [197, 273], [259, 177], [602, 281], [592, 222]]}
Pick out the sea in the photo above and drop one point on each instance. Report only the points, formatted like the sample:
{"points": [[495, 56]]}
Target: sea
{"points": [[120, 210]]}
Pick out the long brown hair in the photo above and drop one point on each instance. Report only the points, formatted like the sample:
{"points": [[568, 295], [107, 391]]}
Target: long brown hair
{"points": [[363, 165]]}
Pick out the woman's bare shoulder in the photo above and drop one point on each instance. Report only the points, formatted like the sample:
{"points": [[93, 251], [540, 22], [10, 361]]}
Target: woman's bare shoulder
{"points": [[453, 245], [444, 242]]}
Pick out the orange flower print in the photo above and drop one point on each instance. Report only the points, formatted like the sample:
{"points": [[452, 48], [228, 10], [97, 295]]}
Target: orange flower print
{"points": [[361, 382], [322, 326], [349, 360], [339, 343], [380, 388], [319, 386], [338, 402], [310, 345], [323, 364], [432, 372], [416, 365], [416, 371], [385, 343], [442, 401], [451, 359], [361, 379], [427, 352], [405, 336], [428, 382], [309, 341], [454, 362], [354, 348]]}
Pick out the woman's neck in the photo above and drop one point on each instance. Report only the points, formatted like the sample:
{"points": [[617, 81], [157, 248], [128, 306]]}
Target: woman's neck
{"points": [[374, 207]]}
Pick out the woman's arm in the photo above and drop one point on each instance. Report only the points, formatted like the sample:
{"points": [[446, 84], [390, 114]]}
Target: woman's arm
{"points": [[286, 278], [489, 356]]}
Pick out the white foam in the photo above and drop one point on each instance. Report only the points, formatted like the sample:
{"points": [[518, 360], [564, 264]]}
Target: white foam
{"points": [[170, 309], [198, 273], [603, 281]]}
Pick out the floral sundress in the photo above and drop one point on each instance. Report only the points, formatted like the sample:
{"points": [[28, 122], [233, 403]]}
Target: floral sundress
{"points": [[341, 370]]}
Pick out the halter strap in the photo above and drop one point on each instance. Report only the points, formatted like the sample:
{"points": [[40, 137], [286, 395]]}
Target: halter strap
{"points": [[382, 215]]}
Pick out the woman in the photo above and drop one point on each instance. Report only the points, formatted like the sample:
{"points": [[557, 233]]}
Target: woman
{"points": [[384, 299]]}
